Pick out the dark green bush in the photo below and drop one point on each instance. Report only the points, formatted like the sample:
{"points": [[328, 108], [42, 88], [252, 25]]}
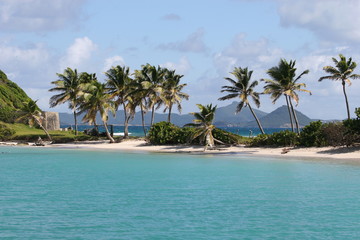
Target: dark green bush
{"points": [[278, 139], [5, 132], [312, 136], [334, 134], [163, 133], [228, 137]]}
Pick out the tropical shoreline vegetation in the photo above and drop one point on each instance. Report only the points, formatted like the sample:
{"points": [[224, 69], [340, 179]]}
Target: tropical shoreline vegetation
{"points": [[154, 87]]}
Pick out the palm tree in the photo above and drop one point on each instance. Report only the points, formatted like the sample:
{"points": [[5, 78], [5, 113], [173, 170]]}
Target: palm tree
{"points": [[152, 80], [284, 82], [243, 88], [118, 83], [139, 95], [69, 85], [172, 91], [97, 100], [204, 123], [32, 115], [342, 71]]}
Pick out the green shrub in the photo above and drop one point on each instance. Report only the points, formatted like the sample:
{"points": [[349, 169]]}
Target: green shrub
{"points": [[5, 132], [312, 136], [228, 137], [278, 139], [334, 134], [163, 133]]}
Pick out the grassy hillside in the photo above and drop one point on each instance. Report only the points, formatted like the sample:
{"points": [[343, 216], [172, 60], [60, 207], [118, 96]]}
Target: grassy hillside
{"points": [[11, 99]]}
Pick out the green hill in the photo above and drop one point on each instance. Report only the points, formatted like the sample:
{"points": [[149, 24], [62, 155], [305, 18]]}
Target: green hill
{"points": [[11, 99]]}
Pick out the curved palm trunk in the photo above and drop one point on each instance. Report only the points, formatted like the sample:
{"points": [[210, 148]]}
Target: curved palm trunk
{"points": [[108, 133], [169, 116], [346, 100], [44, 129], [142, 118], [295, 117], [290, 115], [126, 122], [257, 120]]}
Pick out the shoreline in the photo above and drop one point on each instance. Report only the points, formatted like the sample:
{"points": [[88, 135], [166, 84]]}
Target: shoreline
{"points": [[344, 153], [139, 145]]}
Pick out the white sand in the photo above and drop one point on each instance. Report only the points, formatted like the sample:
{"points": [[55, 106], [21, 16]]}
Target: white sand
{"points": [[352, 153]]}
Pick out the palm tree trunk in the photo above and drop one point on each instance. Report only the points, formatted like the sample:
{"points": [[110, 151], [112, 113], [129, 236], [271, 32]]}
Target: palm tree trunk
{"points": [[257, 120], [44, 129], [290, 115], [346, 100], [152, 115], [169, 116], [126, 123], [142, 118], [108, 133], [75, 121], [295, 117]]}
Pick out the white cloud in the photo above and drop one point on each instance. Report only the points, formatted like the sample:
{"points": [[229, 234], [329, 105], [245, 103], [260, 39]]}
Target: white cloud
{"points": [[78, 53], [113, 61], [182, 67], [38, 15], [330, 20], [193, 43]]}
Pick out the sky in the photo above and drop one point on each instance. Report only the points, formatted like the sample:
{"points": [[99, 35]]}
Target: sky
{"points": [[203, 40]]}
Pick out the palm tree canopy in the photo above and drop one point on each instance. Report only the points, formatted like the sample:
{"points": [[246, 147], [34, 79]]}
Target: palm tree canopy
{"points": [[172, 90], [284, 81], [242, 88], [117, 82], [30, 113], [96, 100], [206, 115], [69, 85], [343, 70]]}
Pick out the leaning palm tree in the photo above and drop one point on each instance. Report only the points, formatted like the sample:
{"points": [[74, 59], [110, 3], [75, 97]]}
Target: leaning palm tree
{"points": [[342, 71], [284, 82], [118, 83], [31, 114], [204, 123], [243, 88], [96, 100], [172, 91], [69, 85]]}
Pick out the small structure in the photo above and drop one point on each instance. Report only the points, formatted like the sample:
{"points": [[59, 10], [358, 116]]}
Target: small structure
{"points": [[51, 120]]}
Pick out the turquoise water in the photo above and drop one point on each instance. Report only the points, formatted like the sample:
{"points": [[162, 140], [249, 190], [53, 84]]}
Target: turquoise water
{"points": [[139, 132], [78, 194]]}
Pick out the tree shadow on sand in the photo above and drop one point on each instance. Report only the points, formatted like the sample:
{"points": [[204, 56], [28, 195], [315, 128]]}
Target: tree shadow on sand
{"points": [[341, 150]]}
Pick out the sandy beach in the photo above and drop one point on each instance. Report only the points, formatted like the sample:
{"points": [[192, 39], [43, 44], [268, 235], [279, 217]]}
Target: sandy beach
{"points": [[352, 153]]}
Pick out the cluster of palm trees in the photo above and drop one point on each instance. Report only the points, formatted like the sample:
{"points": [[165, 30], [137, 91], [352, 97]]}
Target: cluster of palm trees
{"points": [[149, 89], [284, 82]]}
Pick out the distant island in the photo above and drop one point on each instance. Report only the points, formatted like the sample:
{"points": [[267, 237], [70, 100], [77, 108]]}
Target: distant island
{"points": [[225, 117]]}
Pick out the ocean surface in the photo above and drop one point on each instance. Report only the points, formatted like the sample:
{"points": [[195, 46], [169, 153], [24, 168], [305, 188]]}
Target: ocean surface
{"points": [[139, 132], [81, 194]]}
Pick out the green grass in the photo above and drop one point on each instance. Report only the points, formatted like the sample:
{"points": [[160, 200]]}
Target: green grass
{"points": [[25, 133]]}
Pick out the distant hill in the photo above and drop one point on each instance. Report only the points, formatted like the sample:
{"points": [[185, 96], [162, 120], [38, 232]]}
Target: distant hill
{"points": [[225, 116], [12, 99], [279, 118]]}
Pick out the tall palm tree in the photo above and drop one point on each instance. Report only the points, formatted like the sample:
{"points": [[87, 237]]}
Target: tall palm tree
{"points": [[69, 85], [284, 82], [342, 71], [204, 123], [32, 115], [118, 83], [97, 100], [172, 91], [139, 95], [152, 80], [243, 88]]}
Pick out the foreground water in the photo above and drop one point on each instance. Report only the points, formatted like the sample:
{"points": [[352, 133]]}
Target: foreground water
{"points": [[77, 194]]}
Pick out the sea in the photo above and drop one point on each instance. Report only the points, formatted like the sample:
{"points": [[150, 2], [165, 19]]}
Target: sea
{"points": [[139, 132], [60, 193]]}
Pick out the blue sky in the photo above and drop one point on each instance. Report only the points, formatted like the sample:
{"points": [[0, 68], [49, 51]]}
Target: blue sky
{"points": [[203, 40]]}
